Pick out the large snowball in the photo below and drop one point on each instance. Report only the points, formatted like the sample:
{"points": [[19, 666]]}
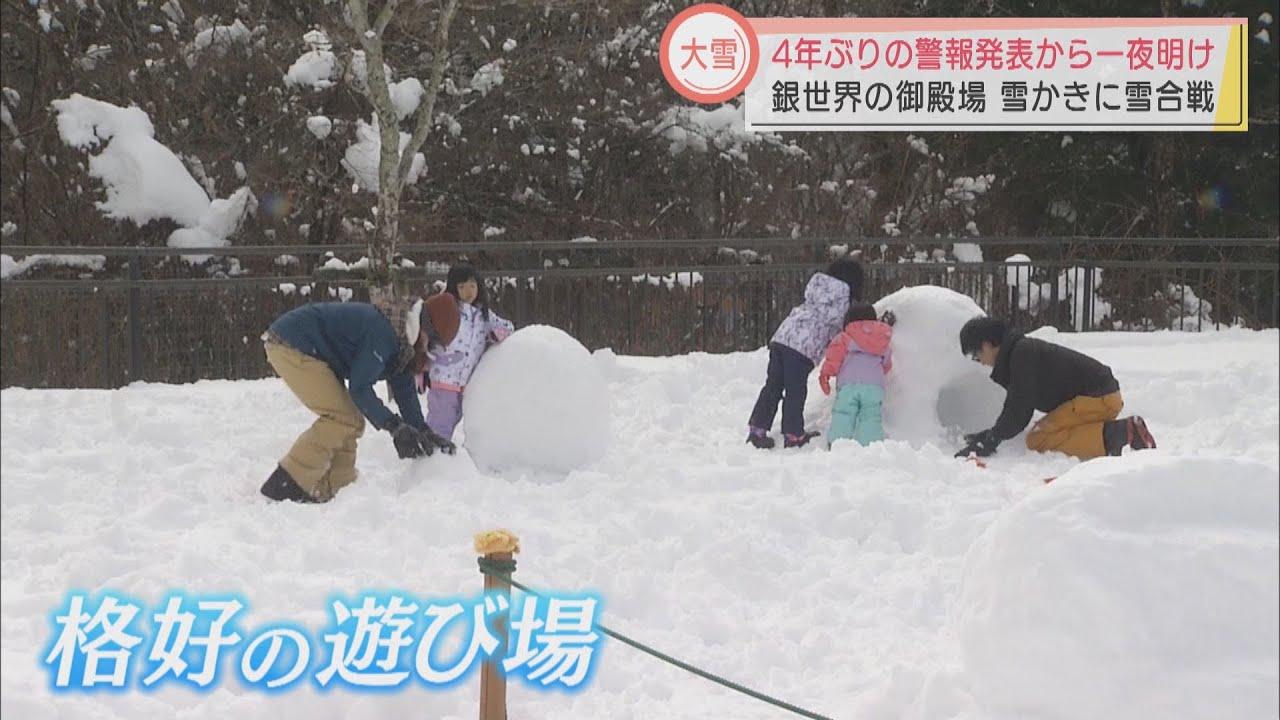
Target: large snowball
{"points": [[933, 388], [1136, 587], [537, 402]]}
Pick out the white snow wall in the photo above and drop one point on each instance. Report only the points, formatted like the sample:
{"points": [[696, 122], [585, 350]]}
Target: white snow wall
{"points": [[934, 390]]}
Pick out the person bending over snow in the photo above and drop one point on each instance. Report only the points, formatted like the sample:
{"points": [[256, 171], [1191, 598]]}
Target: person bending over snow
{"points": [[314, 349], [460, 328], [1080, 395], [797, 347], [858, 359]]}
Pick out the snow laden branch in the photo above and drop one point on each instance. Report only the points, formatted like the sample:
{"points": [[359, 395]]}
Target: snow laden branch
{"points": [[426, 110], [396, 159]]}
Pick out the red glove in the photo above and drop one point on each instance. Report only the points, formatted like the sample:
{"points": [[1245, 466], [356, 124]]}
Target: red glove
{"points": [[824, 381]]}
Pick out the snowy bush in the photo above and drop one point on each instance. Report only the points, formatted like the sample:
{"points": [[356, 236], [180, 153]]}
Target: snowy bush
{"points": [[1077, 286], [1140, 587], [144, 180], [537, 402]]}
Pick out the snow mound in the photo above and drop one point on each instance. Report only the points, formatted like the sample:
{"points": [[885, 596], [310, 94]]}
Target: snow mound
{"points": [[144, 179], [1140, 587], [362, 158], [537, 402], [13, 268], [933, 388]]}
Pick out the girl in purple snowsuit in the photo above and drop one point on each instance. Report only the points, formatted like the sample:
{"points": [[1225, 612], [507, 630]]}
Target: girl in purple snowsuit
{"points": [[797, 347], [462, 329]]}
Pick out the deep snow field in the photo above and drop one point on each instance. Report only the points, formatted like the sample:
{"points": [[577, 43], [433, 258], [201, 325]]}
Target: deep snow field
{"points": [[884, 582]]}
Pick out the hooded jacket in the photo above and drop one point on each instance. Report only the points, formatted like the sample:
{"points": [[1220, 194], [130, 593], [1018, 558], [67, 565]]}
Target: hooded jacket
{"points": [[810, 325], [1039, 375], [860, 354]]}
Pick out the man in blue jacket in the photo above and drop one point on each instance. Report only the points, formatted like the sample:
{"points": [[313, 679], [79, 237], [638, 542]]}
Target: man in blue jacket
{"points": [[314, 349]]}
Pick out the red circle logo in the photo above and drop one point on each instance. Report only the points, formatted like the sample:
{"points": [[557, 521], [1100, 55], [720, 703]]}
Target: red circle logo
{"points": [[709, 53]]}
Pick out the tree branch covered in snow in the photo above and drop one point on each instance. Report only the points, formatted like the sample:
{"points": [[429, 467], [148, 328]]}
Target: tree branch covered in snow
{"points": [[553, 121]]}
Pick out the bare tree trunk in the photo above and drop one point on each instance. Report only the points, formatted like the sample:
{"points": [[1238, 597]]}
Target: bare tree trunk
{"points": [[393, 165]]}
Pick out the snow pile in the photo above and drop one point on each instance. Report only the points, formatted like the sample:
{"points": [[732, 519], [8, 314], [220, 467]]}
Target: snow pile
{"points": [[488, 77], [671, 280], [405, 96], [723, 129], [1076, 285], [933, 386], [1182, 308], [320, 126], [362, 157], [317, 68], [967, 252], [1139, 587], [219, 37], [222, 218], [12, 268], [144, 180], [537, 402]]}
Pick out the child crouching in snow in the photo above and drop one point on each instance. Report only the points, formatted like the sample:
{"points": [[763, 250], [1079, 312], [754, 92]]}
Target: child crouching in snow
{"points": [[460, 328], [858, 359], [797, 347]]}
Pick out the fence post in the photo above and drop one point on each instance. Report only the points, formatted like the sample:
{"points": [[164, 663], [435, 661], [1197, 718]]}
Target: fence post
{"points": [[522, 301], [105, 329], [496, 549], [135, 318]]}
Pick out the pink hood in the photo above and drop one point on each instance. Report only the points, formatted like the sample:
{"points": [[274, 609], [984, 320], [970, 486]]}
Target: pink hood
{"points": [[871, 336]]}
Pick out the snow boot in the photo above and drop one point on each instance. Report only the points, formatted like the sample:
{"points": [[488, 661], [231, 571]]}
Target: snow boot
{"points": [[1130, 431], [795, 441], [760, 439], [1115, 435], [282, 486], [1139, 436]]}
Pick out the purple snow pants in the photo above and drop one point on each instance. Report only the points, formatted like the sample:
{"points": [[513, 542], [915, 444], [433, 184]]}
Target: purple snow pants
{"points": [[444, 410]]}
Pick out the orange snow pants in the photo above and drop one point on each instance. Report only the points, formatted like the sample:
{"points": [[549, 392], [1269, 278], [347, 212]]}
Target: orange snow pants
{"points": [[1075, 426]]}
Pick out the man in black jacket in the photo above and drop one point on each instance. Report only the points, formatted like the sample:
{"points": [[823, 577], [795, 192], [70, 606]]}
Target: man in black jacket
{"points": [[1080, 395]]}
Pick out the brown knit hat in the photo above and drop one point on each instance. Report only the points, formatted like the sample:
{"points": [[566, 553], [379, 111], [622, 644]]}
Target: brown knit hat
{"points": [[441, 311]]}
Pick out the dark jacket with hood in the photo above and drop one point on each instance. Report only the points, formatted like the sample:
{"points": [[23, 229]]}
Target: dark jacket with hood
{"points": [[1039, 375]]}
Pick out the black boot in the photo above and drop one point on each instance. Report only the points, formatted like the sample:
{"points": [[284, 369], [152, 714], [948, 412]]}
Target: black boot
{"points": [[1130, 431], [1115, 435], [282, 486], [759, 439], [795, 441]]}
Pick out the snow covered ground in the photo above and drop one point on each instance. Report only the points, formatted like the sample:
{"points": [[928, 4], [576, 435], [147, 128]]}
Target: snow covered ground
{"points": [[842, 581]]}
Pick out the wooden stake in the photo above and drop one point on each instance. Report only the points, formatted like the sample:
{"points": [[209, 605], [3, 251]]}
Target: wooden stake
{"points": [[496, 546]]}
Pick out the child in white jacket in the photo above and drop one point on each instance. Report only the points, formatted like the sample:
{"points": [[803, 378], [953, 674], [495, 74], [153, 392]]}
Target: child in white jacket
{"points": [[461, 328], [797, 347]]}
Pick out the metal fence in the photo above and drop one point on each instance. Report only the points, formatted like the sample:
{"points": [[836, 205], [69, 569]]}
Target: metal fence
{"points": [[139, 315]]}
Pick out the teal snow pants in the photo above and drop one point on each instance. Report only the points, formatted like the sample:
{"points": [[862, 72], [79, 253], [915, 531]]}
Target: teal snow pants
{"points": [[856, 414]]}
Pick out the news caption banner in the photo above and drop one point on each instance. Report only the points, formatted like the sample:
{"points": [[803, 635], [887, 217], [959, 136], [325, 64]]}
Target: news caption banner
{"points": [[972, 74], [373, 642]]}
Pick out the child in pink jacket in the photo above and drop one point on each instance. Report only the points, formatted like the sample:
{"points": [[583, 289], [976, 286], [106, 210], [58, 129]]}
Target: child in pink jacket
{"points": [[858, 358]]}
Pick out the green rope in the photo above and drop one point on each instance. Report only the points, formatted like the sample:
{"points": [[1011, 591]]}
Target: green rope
{"points": [[497, 568], [503, 569]]}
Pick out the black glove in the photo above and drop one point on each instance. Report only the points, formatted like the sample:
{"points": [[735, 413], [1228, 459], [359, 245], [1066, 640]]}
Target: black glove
{"points": [[407, 440], [431, 441], [982, 444], [888, 318]]}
